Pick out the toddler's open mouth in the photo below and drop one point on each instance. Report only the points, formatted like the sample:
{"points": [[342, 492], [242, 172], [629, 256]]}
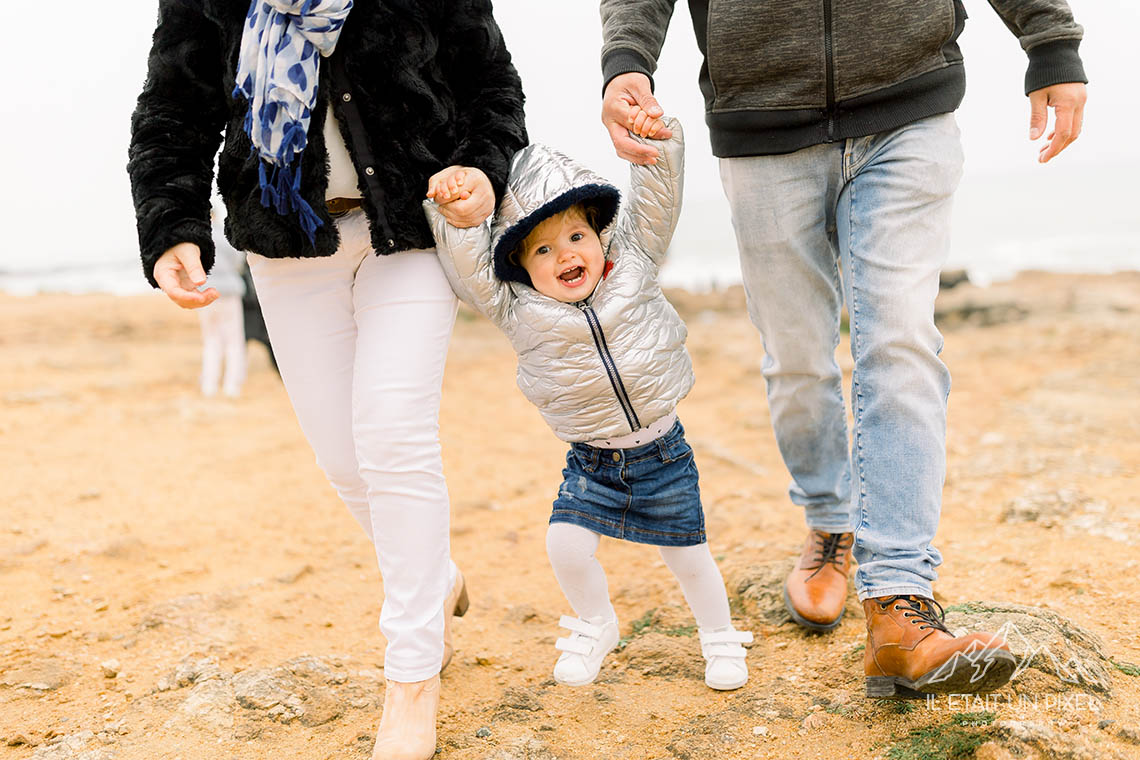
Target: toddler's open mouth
{"points": [[573, 276]]}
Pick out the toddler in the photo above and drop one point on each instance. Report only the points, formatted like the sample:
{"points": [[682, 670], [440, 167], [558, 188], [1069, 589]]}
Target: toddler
{"points": [[601, 354]]}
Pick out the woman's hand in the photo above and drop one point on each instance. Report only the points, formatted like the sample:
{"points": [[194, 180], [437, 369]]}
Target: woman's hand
{"points": [[464, 195], [179, 273]]}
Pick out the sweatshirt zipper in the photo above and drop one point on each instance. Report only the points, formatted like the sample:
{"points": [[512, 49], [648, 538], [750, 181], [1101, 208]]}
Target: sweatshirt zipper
{"points": [[611, 367], [830, 73]]}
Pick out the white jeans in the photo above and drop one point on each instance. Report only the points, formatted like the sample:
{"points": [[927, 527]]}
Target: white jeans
{"points": [[223, 337], [361, 341]]}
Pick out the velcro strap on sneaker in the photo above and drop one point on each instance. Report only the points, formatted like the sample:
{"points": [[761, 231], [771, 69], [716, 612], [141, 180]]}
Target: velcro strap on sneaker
{"points": [[575, 646], [725, 643], [730, 636], [578, 625]]}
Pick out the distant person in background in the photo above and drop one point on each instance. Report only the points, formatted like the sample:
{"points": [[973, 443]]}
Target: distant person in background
{"points": [[336, 120], [839, 155], [223, 321]]}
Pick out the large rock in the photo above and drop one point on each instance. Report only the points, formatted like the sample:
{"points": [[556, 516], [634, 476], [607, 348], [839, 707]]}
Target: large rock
{"points": [[72, 747], [523, 749], [1031, 739], [759, 590], [656, 654], [1054, 654], [37, 675], [297, 689], [209, 706]]}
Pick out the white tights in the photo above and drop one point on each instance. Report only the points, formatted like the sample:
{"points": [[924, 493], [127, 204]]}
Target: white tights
{"points": [[571, 549], [361, 341]]}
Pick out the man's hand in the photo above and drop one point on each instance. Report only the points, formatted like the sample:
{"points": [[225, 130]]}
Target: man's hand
{"points": [[1068, 103], [179, 273], [629, 104], [464, 195]]}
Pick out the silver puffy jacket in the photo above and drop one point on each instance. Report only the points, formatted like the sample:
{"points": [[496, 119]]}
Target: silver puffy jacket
{"points": [[615, 362]]}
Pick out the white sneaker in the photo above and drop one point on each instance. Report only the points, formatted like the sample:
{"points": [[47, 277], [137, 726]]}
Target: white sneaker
{"points": [[725, 667], [583, 650]]}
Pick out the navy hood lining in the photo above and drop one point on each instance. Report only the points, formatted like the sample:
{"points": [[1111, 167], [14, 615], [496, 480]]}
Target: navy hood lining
{"points": [[604, 198]]}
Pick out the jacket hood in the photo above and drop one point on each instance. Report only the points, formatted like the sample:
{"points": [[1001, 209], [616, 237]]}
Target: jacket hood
{"points": [[542, 183]]}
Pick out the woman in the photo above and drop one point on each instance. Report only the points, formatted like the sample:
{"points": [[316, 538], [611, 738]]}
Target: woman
{"points": [[423, 98]]}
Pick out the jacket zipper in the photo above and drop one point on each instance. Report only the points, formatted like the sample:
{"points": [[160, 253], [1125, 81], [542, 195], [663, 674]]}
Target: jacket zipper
{"points": [[611, 367], [830, 73]]}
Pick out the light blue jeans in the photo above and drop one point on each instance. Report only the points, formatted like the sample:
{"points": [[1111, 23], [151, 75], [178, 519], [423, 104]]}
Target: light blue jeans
{"points": [[876, 209]]}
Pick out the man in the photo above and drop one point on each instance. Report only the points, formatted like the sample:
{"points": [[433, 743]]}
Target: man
{"points": [[839, 155]]}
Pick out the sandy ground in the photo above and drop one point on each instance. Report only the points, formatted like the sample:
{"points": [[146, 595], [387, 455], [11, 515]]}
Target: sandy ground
{"points": [[141, 525]]}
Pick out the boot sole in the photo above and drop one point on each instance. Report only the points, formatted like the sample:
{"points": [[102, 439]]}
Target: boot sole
{"points": [[958, 675], [462, 603], [800, 620]]}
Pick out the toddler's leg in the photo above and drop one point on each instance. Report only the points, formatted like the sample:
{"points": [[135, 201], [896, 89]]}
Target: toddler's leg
{"points": [[701, 583], [571, 550], [594, 633], [703, 587]]}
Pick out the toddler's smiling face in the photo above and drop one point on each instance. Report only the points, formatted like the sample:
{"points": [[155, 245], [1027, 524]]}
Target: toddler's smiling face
{"points": [[563, 256]]}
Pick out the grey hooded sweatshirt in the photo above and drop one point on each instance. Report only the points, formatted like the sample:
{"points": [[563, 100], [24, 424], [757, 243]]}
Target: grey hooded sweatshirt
{"points": [[780, 75], [616, 361]]}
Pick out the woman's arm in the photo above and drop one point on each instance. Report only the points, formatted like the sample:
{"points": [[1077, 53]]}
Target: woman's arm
{"points": [[650, 214], [175, 132], [491, 125]]}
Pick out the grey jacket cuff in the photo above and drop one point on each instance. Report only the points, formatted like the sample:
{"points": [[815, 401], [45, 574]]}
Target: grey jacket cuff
{"points": [[1053, 63], [623, 61]]}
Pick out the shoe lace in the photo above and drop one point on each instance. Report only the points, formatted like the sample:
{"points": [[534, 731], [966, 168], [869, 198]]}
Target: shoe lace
{"points": [[828, 548], [925, 613]]}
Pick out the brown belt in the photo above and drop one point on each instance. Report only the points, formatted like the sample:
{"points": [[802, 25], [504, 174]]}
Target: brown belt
{"points": [[341, 206]]}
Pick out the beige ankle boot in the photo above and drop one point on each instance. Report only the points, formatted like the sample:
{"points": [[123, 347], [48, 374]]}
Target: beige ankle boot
{"points": [[455, 605], [407, 727]]}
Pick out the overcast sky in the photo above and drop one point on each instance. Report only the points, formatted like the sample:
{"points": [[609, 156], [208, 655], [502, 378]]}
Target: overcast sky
{"points": [[74, 76]]}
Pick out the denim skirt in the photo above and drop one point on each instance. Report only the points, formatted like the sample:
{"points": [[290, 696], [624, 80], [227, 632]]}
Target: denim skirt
{"points": [[648, 494]]}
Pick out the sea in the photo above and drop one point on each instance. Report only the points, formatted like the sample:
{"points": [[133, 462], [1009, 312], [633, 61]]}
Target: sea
{"points": [[1082, 222]]}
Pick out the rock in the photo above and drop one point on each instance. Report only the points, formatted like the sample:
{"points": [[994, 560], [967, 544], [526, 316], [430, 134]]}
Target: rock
{"points": [[992, 751], [526, 748], [759, 589], [195, 669], [18, 740], [517, 705], [72, 747], [1130, 734], [483, 732], [125, 548], [655, 654], [262, 689], [1068, 656], [209, 706], [1023, 736], [526, 613], [298, 689], [42, 675], [1068, 509], [295, 575], [110, 668]]}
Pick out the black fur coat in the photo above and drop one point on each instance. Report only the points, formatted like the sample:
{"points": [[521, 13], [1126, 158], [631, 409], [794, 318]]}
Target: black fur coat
{"points": [[434, 86]]}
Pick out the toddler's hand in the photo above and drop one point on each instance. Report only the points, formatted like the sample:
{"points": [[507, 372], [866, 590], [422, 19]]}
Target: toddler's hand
{"points": [[464, 195], [642, 124]]}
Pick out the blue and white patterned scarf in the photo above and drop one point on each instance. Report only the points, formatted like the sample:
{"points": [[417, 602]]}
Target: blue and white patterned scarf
{"points": [[277, 74]]}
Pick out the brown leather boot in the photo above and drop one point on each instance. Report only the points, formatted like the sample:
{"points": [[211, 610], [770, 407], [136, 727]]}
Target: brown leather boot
{"points": [[455, 605], [910, 653], [816, 589]]}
